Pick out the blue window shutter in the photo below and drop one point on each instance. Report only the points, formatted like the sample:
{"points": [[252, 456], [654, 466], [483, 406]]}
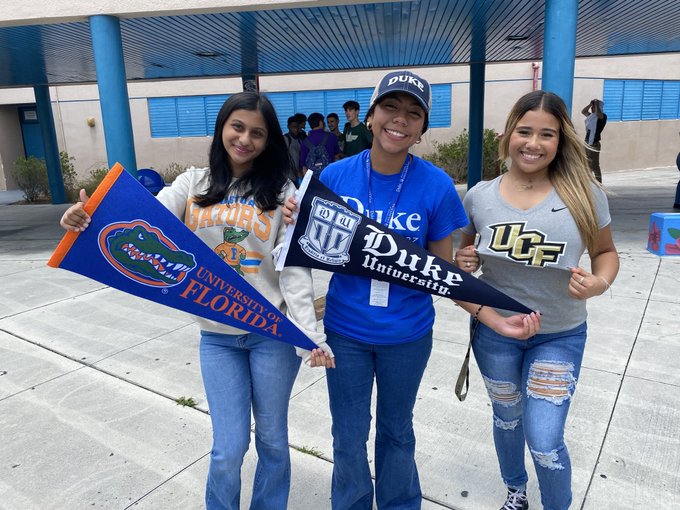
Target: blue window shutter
{"points": [[334, 101], [632, 100], [651, 100], [308, 102], [613, 99], [670, 100], [440, 114], [364, 100], [284, 104], [191, 115], [213, 104], [163, 117]]}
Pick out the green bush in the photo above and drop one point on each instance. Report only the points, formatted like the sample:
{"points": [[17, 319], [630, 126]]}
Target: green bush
{"points": [[95, 178], [68, 173], [453, 156], [30, 175], [170, 172]]}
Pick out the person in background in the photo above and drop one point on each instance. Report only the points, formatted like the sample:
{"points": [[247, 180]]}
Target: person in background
{"points": [[320, 148], [301, 119], [595, 121], [382, 333], [245, 372], [534, 223], [676, 204], [293, 143], [333, 122], [357, 137]]}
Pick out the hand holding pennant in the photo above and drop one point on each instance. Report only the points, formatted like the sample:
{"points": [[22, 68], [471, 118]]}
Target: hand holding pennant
{"points": [[330, 235], [134, 244]]}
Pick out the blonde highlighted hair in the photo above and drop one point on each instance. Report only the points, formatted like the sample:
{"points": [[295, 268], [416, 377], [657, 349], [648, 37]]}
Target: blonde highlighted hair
{"points": [[569, 171]]}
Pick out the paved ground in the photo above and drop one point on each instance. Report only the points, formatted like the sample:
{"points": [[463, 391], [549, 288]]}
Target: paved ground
{"points": [[88, 378]]}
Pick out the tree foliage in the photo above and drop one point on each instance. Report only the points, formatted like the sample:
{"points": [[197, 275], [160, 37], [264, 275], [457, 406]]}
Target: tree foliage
{"points": [[453, 156]]}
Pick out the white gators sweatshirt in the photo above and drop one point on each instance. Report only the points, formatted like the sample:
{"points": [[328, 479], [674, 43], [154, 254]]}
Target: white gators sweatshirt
{"points": [[245, 236]]}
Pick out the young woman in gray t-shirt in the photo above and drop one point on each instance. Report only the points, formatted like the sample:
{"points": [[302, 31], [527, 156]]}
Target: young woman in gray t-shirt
{"points": [[534, 223]]}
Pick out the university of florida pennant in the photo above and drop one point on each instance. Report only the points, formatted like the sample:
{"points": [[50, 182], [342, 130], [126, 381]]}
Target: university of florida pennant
{"points": [[134, 244], [330, 235]]}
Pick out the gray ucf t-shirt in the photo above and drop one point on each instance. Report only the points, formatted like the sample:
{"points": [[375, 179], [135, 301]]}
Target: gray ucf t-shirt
{"points": [[527, 253]]}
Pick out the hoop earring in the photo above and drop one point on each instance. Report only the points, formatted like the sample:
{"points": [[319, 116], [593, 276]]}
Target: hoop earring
{"points": [[368, 126], [419, 140]]}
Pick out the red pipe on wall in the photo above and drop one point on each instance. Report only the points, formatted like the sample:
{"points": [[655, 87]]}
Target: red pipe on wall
{"points": [[535, 66]]}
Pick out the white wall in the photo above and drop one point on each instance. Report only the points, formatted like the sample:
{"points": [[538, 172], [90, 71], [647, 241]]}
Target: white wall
{"points": [[630, 144], [624, 144], [11, 145]]}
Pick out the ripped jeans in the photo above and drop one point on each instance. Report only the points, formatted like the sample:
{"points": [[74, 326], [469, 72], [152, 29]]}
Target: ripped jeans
{"points": [[530, 384]]}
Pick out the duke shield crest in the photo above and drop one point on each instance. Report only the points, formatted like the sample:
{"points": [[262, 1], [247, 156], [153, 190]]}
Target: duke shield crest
{"points": [[329, 232]]}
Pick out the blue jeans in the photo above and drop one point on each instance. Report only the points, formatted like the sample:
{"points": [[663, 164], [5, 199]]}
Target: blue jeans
{"points": [[530, 384], [240, 372], [397, 370]]}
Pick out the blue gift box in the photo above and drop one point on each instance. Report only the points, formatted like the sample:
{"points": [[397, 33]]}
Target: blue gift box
{"points": [[664, 234]]}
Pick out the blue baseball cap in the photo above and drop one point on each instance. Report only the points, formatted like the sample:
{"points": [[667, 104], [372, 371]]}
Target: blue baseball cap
{"points": [[408, 83]]}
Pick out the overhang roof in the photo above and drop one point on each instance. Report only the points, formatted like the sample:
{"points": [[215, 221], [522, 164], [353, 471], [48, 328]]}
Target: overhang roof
{"points": [[332, 38]]}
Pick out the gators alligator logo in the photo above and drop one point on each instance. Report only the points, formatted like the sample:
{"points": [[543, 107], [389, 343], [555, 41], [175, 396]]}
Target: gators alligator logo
{"points": [[144, 254], [230, 251]]}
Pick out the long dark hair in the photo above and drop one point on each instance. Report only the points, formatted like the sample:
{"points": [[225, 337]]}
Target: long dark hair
{"points": [[271, 169]]}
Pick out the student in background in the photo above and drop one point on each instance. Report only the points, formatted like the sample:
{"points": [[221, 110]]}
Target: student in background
{"points": [[357, 137], [676, 204], [293, 142], [301, 119], [333, 121], [320, 148], [595, 121]]}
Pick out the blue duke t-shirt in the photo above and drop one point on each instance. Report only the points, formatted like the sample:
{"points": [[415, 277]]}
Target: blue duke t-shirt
{"points": [[428, 209]]}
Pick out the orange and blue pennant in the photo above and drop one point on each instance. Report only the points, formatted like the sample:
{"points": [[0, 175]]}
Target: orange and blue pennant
{"points": [[134, 244]]}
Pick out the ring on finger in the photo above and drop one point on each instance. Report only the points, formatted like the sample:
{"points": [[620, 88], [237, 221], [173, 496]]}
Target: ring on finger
{"points": [[467, 264], [582, 280]]}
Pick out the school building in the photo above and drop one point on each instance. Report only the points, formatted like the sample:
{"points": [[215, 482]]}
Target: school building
{"points": [[174, 95]]}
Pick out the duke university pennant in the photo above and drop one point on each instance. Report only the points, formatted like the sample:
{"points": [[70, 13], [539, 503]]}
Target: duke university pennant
{"points": [[330, 235], [134, 244]]}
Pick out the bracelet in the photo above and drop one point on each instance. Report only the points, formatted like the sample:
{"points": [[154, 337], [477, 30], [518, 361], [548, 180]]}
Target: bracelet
{"points": [[608, 286], [476, 314]]}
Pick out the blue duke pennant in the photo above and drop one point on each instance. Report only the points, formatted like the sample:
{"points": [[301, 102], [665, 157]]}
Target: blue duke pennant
{"points": [[134, 244], [330, 235]]}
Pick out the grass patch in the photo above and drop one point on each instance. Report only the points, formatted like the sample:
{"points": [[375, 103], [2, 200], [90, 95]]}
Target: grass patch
{"points": [[310, 451], [186, 401]]}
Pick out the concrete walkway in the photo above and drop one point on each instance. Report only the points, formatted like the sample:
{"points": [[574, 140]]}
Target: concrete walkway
{"points": [[89, 375]]}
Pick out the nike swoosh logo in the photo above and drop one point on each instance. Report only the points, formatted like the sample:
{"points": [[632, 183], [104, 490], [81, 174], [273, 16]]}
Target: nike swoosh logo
{"points": [[556, 210]]}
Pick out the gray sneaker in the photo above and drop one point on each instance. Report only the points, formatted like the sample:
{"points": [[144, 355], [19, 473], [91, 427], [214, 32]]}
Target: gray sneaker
{"points": [[516, 500]]}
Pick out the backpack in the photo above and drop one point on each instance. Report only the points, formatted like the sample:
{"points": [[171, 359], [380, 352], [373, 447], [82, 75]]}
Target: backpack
{"points": [[317, 157]]}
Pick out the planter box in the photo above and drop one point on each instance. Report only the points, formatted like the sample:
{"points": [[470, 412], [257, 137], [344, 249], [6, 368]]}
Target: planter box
{"points": [[664, 234]]}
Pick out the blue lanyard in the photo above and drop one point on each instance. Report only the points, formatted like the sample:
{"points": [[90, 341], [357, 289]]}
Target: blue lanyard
{"points": [[395, 194]]}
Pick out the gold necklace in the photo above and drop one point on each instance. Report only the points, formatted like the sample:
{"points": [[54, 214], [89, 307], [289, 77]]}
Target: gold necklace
{"points": [[525, 186]]}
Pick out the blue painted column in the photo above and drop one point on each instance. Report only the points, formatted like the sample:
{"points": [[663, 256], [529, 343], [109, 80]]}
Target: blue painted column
{"points": [[43, 107], [559, 48], [476, 118], [113, 95], [476, 123], [249, 55]]}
